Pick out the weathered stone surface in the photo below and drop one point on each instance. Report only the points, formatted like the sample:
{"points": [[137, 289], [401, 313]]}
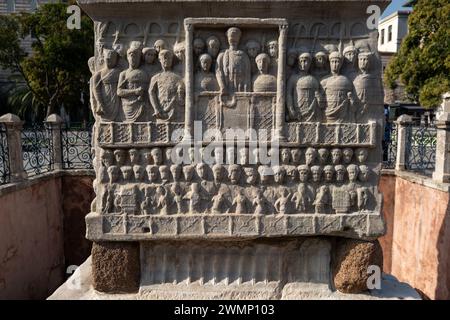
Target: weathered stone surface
{"points": [[115, 267], [351, 262]]}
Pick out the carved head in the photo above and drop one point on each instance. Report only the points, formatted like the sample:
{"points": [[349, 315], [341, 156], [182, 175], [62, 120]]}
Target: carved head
{"points": [[156, 156], [149, 55], [285, 156], [304, 62], [91, 65], [134, 156], [199, 46], [152, 173], [364, 61], [279, 174], [147, 156], [217, 172], [213, 46], [340, 172], [323, 155], [335, 62], [127, 173], [361, 155], [121, 156], [303, 172], [205, 62], [201, 170], [328, 173], [164, 173], [291, 173], [364, 173], [296, 155], [310, 156], [250, 175], [134, 54], [353, 171], [253, 48], [178, 50], [292, 55], [272, 48], [160, 45], [166, 59], [138, 172], [336, 155], [316, 173], [350, 54], [234, 173], [188, 172], [111, 58], [262, 62], [347, 155], [113, 173], [107, 158], [234, 36], [320, 59], [175, 169]]}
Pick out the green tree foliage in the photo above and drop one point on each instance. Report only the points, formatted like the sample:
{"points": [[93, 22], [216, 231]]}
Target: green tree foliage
{"points": [[423, 61], [56, 73]]}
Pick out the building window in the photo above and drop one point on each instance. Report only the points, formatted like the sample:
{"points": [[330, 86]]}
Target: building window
{"points": [[10, 5], [389, 33], [382, 36]]}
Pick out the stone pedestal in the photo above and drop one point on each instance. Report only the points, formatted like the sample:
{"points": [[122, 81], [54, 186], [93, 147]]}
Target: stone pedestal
{"points": [[442, 169]]}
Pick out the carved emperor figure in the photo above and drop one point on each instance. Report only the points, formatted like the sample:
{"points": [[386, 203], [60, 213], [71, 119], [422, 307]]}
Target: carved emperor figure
{"points": [[233, 66], [303, 98], [167, 91]]}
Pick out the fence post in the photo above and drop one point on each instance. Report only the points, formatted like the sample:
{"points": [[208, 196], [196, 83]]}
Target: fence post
{"points": [[55, 123], [14, 126], [403, 125], [442, 169]]}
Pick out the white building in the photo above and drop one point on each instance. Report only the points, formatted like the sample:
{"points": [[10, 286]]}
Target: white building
{"points": [[392, 30]]}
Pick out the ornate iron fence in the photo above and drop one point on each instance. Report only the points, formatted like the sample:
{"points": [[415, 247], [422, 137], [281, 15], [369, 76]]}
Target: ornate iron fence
{"points": [[421, 148], [76, 143], [390, 145], [4, 156], [37, 149]]}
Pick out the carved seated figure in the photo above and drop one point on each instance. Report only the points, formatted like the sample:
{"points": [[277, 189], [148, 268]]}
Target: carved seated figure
{"points": [[167, 91], [263, 81], [205, 80], [133, 84]]}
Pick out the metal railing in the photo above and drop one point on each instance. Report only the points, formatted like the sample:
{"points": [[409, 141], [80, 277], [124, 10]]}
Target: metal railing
{"points": [[420, 154], [37, 149], [76, 145], [5, 173], [390, 145]]}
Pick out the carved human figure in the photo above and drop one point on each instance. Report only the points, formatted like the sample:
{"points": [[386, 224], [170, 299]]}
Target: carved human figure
{"points": [[361, 155], [291, 173], [176, 170], [113, 174], [219, 203], [92, 100], [363, 195], [152, 173], [364, 173], [349, 68], [285, 156], [260, 202], [162, 200], [107, 159], [234, 173], [323, 200], [217, 173], [127, 173], [323, 155], [147, 156], [213, 46], [177, 192], [303, 96], [179, 51], [253, 49], [251, 175], [336, 156], [291, 61], [369, 91], [202, 171], [263, 81], [105, 88], [164, 173], [133, 84], [233, 66], [310, 156], [296, 155], [121, 157], [138, 171], [148, 205], [199, 46], [157, 157], [353, 171], [340, 173], [205, 80], [194, 198], [150, 56], [108, 201], [122, 51], [279, 174], [272, 49], [303, 171], [188, 172], [320, 70], [159, 45], [328, 173], [283, 203], [167, 91], [240, 203], [316, 173], [347, 155], [339, 93], [303, 198], [134, 156], [265, 174]]}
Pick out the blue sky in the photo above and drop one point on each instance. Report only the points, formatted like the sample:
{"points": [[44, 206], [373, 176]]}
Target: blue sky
{"points": [[395, 5]]}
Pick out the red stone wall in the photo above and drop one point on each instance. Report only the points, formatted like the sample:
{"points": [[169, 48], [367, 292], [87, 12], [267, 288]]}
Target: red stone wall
{"points": [[387, 188]]}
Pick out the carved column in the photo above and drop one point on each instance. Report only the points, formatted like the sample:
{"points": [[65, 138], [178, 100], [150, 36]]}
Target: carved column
{"points": [[55, 123], [442, 169], [280, 105], [189, 83], [403, 125], [14, 127]]}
